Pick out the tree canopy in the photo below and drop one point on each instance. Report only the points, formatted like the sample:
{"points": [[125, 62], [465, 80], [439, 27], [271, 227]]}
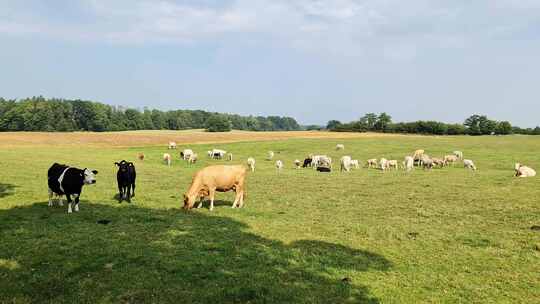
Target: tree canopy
{"points": [[41, 114]]}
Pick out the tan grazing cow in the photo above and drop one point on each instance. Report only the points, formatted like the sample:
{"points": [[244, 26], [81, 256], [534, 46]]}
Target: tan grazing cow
{"points": [[524, 171], [418, 154], [219, 178], [438, 162], [345, 164], [458, 154], [172, 145], [140, 156]]}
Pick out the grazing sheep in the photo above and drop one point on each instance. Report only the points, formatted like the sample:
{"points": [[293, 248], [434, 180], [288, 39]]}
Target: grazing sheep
{"points": [[524, 171], [209, 153], [167, 159], [140, 156], [372, 163], [383, 163], [458, 154], [426, 162], [467, 163], [450, 159], [279, 165], [392, 164], [192, 158], [251, 164], [355, 163], [417, 156], [229, 156], [270, 155], [172, 145], [217, 153], [438, 162], [340, 147], [186, 154], [297, 163], [345, 164], [408, 163]]}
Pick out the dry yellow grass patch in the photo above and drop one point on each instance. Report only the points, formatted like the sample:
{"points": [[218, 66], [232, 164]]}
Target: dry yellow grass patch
{"points": [[157, 137]]}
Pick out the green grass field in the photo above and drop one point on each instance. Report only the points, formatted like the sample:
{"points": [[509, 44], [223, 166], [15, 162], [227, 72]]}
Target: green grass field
{"points": [[445, 236]]}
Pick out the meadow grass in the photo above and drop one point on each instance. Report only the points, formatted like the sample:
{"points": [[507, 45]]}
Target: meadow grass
{"points": [[446, 236]]}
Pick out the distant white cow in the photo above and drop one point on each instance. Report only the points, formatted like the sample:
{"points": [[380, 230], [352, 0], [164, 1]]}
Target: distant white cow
{"points": [[524, 171], [167, 159], [270, 155], [186, 154], [467, 163], [279, 165], [408, 163], [340, 147], [172, 145], [355, 163], [345, 164], [251, 164]]}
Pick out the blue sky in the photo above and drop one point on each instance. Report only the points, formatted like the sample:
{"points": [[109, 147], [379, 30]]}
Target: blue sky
{"points": [[314, 60]]}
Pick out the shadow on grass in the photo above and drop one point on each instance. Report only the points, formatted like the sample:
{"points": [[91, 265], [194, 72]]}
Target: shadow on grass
{"points": [[167, 256], [6, 189]]}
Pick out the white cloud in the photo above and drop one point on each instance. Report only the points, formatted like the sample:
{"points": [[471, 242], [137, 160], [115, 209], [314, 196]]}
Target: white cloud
{"points": [[348, 27]]}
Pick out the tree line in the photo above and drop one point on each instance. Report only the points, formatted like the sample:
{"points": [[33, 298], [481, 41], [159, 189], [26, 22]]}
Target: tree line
{"points": [[41, 114], [474, 125]]}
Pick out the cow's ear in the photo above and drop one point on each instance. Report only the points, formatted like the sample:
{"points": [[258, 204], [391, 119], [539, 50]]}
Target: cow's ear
{"points": [[94, 171], [116, 163], [130, 163]]}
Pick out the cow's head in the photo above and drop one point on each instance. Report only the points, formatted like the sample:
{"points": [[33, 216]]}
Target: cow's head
{"points": [[123, 166], [89, 176], [189, 201]]}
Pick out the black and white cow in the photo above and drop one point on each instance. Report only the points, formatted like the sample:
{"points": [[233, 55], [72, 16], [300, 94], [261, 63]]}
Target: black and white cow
{"points": [[68, 181], [126, 176], [307, 162]]}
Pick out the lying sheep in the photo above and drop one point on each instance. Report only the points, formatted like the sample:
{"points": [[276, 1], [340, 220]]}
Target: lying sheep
{"points": [[524, 171]]}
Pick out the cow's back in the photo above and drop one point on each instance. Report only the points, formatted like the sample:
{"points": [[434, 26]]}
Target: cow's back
{"points": [[221, 176]]}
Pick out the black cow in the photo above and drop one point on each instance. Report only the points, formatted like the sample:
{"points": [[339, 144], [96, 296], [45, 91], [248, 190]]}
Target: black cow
{"points": [[126, 180], [307, 162], [68, 181]]}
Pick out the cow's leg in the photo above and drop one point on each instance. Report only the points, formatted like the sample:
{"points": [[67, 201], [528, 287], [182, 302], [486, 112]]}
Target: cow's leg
{"points": [[60, 200], [133, 189], [200, 203], [236, 199], [120, 193], [212, 193], [50, 197], [241, 198], [69, 203], [128, 193], [76, 202]]}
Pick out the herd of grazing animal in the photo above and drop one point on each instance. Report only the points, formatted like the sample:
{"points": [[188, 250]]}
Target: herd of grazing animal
{"points": [[69, 181]]}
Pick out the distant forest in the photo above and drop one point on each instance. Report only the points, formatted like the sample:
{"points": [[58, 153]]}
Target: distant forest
{"points": [[41, 114], [474, 125]]}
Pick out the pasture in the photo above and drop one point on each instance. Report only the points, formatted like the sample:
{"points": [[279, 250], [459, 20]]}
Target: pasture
{"points": [[446, 236]]}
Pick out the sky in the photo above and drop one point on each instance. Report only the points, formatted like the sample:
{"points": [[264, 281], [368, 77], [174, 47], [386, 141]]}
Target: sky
{"points": [[314, 60]]}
